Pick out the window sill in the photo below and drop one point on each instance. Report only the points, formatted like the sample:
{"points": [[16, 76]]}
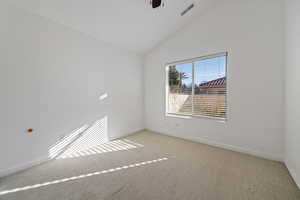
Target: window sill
{"points": [[223, 120]]}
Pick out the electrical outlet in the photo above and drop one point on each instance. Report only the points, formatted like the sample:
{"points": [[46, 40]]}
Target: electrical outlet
{"points": [[29, 130]]}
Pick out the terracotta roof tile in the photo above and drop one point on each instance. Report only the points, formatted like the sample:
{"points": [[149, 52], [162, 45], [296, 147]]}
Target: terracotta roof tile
{"points": [[217, 83]]}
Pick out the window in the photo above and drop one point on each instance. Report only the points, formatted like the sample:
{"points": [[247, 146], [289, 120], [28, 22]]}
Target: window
{"points": [[197, 87]]}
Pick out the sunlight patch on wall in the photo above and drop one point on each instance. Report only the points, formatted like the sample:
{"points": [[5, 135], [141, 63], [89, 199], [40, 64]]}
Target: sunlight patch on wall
{"points": [[82, 139], [90, 140], [103, 96], [92, 137], [57, 148]]}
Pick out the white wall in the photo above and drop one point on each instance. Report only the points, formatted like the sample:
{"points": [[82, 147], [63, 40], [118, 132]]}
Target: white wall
{"points": [[292, 77], [51, 78], [252, 33]]}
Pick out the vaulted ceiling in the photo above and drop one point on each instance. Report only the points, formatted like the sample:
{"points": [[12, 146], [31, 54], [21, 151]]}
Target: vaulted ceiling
{"points": [[128, 24]]}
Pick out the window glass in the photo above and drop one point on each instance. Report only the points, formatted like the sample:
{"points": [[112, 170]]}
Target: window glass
{"points": [[198, 87]]}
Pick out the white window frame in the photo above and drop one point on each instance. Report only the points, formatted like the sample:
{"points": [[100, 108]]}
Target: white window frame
{"points": [[193, 60]]}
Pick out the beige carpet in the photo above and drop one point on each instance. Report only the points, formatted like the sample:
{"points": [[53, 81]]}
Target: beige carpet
{"points": [[154, 167]]}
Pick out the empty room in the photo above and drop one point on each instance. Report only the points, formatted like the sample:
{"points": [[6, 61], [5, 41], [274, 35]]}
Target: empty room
{"points": [[150, 100]]}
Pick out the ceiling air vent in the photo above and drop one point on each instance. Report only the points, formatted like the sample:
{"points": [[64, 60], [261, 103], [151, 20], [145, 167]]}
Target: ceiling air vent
{"points": [[187, 9]]}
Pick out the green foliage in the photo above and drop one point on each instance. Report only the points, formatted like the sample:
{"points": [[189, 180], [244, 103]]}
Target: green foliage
{"points": [[176, 77]]}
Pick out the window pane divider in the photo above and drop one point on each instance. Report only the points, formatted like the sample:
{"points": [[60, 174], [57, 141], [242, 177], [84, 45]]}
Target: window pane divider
{"points": [[193, 86]]}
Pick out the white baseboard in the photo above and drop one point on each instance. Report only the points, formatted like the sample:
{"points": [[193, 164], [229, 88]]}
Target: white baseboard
{"points": [[226, 146], [23, 166], [293, 173], [127, 134]]}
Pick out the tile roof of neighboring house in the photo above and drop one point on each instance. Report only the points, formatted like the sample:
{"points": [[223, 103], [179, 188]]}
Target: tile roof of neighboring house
{"points": [[217, 83]]}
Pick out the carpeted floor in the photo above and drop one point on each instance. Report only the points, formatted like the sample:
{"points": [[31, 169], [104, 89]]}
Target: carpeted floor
{"points": [[150, 166]]}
